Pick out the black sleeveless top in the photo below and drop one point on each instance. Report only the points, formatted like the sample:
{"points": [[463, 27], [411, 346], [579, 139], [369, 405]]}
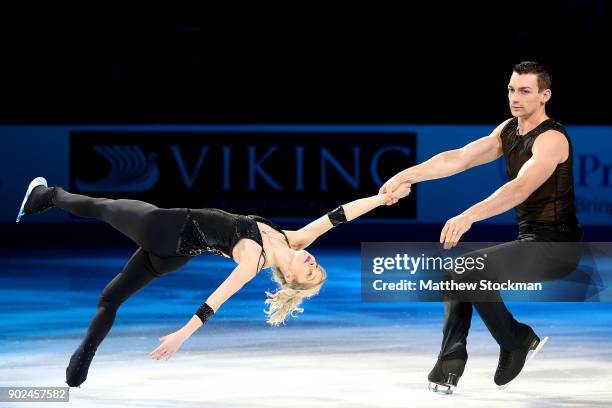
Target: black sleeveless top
{"points": [[217, 231], [553, 201]]}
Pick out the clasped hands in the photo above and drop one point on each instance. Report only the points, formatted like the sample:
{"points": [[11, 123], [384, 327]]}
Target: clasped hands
{"points": [[395, 189]]}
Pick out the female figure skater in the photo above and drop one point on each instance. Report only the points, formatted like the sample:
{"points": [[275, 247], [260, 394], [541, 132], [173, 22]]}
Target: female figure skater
{"points": [[169, 237]]}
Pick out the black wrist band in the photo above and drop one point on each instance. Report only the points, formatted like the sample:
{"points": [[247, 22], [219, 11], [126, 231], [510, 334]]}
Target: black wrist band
{"points": [[205, 312], [337, 216]]}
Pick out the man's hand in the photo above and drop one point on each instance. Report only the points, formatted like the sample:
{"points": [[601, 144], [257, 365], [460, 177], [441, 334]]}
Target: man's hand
{"points": [[402, 190], [454, 229], [170, 344], [392, 184]]}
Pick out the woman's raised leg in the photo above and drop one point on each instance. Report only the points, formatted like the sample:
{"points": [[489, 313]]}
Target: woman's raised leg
{"points": [[154, 229]]}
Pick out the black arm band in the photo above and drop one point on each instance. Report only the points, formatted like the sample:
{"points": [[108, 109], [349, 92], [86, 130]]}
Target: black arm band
{"points": [[337, 216], [205, 312]]}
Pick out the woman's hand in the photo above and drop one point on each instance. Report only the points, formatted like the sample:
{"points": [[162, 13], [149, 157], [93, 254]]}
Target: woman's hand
{"points": [[402, 190], [394, 182], [170, 344]]}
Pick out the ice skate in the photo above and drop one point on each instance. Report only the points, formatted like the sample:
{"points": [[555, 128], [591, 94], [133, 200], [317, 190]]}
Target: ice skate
{"points": [[37, 198], [445, 375], [512, 362]]}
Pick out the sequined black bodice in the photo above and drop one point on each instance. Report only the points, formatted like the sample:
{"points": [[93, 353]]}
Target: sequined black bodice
{"points": [[217, 231]]}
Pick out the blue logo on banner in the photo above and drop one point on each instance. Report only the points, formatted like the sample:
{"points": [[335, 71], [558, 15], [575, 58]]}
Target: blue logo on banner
{"points": [[131, 170]]}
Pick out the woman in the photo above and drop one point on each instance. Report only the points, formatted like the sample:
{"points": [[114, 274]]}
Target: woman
{"points": [[169, 237]]}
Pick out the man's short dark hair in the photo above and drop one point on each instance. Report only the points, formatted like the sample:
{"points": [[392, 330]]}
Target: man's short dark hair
{"points": [[541, 70]]}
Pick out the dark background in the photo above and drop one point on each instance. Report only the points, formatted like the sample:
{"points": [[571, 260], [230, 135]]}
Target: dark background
{"points": [[434, 62], [108, 62]]}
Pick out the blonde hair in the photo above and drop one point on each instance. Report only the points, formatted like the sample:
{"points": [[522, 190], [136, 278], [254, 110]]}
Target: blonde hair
{"points": [[287, 298]]}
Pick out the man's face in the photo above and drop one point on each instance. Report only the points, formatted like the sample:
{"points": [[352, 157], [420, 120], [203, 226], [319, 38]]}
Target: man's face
{"points": [[523, 95]]}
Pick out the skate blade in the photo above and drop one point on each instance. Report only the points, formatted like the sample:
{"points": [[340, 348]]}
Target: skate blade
{"points": [[38, 181], [440, 389], [531, 354]]}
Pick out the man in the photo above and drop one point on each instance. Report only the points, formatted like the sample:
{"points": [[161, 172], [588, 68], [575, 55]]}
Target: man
{"points": [[538, 156]]}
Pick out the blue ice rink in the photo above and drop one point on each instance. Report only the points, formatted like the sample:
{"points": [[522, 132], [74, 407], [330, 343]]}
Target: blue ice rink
{"points": [[340, 352]]}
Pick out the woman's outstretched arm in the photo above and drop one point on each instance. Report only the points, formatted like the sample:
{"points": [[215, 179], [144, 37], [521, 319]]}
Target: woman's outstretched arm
{"points": [[244, 272], [308, 234]]}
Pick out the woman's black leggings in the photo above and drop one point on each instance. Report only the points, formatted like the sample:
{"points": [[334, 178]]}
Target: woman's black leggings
{"points": [[155, 230]]}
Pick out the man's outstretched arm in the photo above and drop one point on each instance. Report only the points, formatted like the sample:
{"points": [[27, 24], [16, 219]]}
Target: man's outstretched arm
{"points": [[481, 151]]}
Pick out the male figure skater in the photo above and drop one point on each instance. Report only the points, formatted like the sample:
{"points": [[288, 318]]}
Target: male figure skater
{"points": [[538, 156]]}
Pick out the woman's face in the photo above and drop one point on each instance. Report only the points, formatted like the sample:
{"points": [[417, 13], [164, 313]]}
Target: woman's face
{"points": [[304, 270]]}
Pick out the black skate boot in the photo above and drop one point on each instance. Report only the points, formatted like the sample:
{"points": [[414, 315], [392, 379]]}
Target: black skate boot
{"points": [[76, 372], [38, 198], [445, 375], [511, 362]]}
